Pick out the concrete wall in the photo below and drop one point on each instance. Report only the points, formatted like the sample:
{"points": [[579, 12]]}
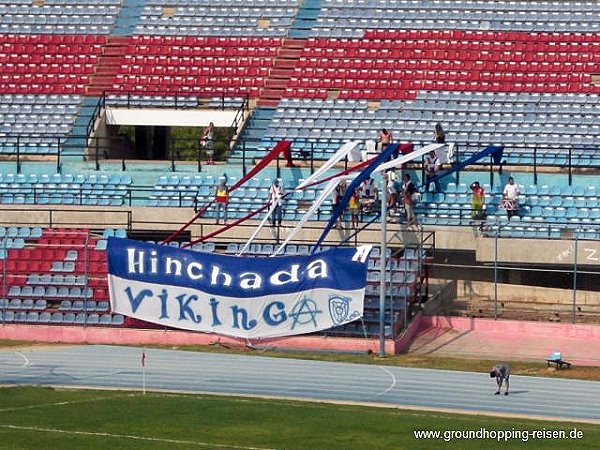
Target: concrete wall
{"points": [[407, 337], [169, 117], [527, 294], [539, 251], [451, 238], [514, 328]]}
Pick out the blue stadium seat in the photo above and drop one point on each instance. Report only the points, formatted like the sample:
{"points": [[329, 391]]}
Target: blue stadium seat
{"points": [[56, 318], [44, 317]]}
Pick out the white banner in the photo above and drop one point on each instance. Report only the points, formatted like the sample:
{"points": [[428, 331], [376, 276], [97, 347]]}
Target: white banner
{"points": [[236, 296]]}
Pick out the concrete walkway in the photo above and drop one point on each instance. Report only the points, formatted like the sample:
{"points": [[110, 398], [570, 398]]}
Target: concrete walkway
{"points": [[510, 340]]}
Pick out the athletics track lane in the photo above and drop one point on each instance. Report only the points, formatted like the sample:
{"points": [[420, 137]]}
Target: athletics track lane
{"points": [[100, 366]]}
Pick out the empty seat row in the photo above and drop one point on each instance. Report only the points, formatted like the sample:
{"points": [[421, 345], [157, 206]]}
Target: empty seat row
{"points": [[62, 199], [67, 178], [50, 292], [25, 304], [21, 232], [80, 305], [60, 318], [56, 279]]}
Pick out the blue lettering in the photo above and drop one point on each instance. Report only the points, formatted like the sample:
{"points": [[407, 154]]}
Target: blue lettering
{"points": [[163, 304], [137, 301], [213, 307], [247, 325], [186, 309], [277, 318]]}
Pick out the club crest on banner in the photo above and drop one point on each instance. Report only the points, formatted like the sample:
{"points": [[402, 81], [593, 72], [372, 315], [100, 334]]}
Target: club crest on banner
{"points": [[339, 309]]}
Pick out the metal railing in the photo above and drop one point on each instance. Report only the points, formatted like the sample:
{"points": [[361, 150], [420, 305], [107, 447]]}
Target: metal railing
{"points": [[245, 149], [504, 284]]}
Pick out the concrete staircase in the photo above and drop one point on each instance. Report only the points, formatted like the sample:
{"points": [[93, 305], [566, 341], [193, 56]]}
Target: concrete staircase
{"points": [[255, 129], [131, 10], [108, 65], [76, 140], [305, 19], [283, 69]]}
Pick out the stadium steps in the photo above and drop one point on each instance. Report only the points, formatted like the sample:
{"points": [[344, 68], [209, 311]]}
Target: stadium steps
{"points": [[76, 141], [129, 16], [255, 129], [305, 19], [108, 65], [288, 56]]}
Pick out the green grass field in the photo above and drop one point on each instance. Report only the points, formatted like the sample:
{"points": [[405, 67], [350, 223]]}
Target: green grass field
{"points": [[44, 418]]}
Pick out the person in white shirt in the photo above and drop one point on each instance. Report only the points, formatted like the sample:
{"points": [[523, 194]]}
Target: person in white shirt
{"points": [[432, 167], [206, 142], [276, 194], [510, 198], [392, 199], [368, 194]]}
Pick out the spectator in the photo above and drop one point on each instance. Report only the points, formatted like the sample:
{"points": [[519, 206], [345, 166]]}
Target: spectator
{"points": [[501, 372], [510, 198], [354, 208], [206, 142], [368, 195], [432, 167], [276, 194], [409, 192], [222, 199], [392, 189], [338, 194], [439, 136], [477, 201], [385, 138], [368, 188]]}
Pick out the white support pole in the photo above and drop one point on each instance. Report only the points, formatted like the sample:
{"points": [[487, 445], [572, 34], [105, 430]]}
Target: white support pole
{"points": [[383, 260]]}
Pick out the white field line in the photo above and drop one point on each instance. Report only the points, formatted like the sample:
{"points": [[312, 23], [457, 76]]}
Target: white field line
{"points": [[25, 358], [391, 385], [129, 436], [72, 402]]}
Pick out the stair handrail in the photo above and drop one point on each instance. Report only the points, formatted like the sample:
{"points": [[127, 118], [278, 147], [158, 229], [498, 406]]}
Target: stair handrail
{"points": [[240, 117], [95, 114]]}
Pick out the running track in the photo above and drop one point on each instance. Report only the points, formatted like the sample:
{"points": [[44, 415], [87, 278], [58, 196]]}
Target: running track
{"points": [[100, 366]]}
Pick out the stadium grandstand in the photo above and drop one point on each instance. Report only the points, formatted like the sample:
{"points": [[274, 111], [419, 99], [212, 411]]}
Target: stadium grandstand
{"points": [[103, 104]]}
